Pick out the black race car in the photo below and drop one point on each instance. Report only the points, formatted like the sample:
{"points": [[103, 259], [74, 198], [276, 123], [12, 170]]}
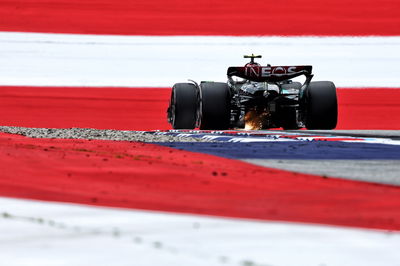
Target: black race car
{"points": [[255, 97]]}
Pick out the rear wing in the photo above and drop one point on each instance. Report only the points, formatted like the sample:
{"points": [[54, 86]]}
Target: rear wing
{"points": [[269, 73]]}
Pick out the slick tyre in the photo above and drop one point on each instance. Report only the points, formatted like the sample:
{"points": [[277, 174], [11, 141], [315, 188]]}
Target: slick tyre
{"points": [[184, 103], [321, 105], [215, 105]]}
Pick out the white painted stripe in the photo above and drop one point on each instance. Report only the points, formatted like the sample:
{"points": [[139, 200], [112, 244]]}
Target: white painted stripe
{"points": [[98, 60], [40, 233]]}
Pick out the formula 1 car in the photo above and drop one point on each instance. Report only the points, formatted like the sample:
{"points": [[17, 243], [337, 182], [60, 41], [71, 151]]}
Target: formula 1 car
{"points": [[259, 97]]}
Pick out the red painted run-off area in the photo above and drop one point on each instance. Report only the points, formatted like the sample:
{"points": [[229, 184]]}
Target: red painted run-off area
{"points": [[147, 176], [145, 108], [182, 17]]}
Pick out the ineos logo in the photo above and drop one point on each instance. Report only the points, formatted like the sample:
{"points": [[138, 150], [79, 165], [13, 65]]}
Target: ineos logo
{"points": [[258, 71], [279, 71]]}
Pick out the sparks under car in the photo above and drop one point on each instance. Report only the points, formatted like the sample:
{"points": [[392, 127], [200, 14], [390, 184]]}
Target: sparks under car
{"points": [[255, 97]]}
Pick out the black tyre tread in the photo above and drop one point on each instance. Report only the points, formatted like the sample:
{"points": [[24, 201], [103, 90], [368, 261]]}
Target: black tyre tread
{"points": [[185, 105], [215, 106], [322, 110]]}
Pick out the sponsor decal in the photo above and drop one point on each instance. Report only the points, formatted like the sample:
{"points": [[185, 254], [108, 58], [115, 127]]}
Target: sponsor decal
{"points": [[257, 71], [279, 71], [260, 71]]}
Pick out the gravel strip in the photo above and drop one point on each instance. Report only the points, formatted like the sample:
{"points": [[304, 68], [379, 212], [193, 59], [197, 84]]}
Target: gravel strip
{"points": [[101, 134]]}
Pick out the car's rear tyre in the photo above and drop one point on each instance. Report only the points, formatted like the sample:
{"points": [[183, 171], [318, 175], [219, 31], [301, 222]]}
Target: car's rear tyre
{"points": [[321, 105], [215, 101], [183, 107]]}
